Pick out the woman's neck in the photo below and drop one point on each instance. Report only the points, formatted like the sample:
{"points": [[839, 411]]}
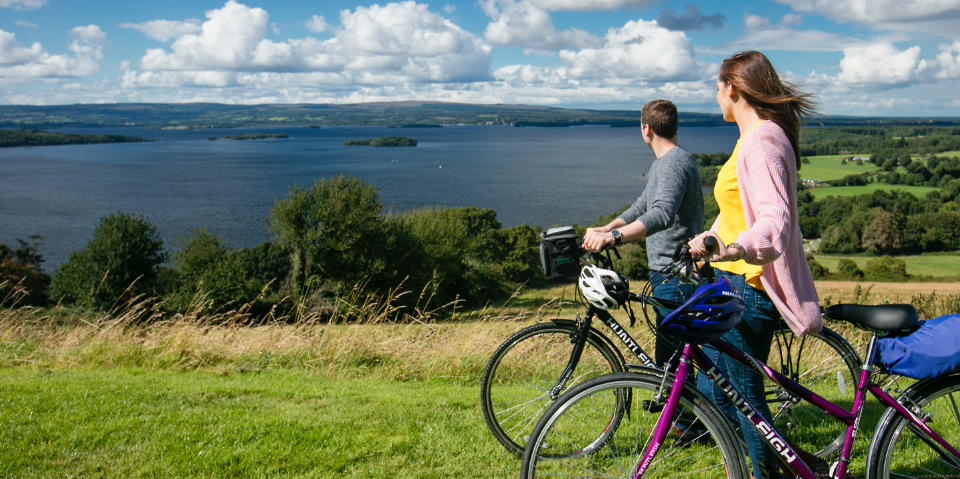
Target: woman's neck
{"points": [[746, 117]]}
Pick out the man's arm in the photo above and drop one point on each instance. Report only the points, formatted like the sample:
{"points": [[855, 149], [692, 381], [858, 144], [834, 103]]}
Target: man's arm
{"points": [[671, 186], [597, 238]]}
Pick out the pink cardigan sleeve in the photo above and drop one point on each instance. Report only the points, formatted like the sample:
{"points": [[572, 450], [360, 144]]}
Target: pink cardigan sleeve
{"points": [[767, 176]]}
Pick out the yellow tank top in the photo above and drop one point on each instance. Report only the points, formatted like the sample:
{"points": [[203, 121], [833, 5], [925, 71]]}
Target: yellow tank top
{"points": [[731, 220]]}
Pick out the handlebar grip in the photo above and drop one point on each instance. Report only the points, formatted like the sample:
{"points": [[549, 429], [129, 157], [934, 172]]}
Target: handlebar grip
{"points": [[711, 243]]}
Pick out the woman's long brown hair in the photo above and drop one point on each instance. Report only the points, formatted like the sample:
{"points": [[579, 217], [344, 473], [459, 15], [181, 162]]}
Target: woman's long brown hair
{"points": [[774, 99]]}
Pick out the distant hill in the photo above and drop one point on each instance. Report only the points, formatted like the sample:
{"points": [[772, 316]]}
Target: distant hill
{"points": [[403, 113]]}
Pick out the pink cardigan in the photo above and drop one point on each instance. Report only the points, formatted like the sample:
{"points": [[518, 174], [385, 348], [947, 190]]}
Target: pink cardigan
{"points": [[767, 178]]}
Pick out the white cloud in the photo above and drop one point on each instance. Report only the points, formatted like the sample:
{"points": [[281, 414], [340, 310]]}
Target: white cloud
{"points": [[22, 4], [125, 65], [640, 50], [275, 28], [394, 43], [449, 8], [26, 24], [91, 34], [35, 62], [520, 23], [316, 24], [881, 64], [877, 12], [762, 35], [166, 30], [755, 22], [791, 19], [948, 62], [590, 5]]}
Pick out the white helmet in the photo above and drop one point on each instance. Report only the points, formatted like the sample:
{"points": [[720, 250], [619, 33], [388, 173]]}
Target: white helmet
{"points": [[604, 289]]}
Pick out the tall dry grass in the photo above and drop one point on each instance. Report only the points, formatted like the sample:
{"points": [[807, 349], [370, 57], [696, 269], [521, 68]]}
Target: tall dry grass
{"points": [[362, 335]]}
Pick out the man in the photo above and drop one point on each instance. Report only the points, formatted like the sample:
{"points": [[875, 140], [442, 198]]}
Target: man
{"points": [[669, 211]]}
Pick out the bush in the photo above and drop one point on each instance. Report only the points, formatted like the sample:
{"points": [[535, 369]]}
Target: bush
{"points": [[119, 262], [817, 270], [20, 268], [848, 269], [886, 268]]}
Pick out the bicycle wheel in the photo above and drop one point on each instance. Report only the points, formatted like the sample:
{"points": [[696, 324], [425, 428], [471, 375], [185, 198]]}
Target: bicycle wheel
{"points": [[517, 382], [827, 365], [581, 415], [896, 451]]}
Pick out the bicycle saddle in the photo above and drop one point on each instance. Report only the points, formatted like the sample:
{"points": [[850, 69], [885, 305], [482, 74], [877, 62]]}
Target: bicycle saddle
{"points": [[882, 317]]}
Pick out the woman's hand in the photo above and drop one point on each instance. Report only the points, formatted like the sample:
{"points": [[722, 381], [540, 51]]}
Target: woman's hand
{"points": [[596, 239], [723, 253]]}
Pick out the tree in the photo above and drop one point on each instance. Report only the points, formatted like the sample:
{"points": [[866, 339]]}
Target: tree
{"points": [[20, 268], [883, 235], [333, 228], [118, 263], [817, 270], [522, 261]]}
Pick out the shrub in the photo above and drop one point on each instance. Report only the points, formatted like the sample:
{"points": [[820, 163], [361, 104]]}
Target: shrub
{"points": [[886, 268], [848, 269], [208, 269], [817, 270], [119, 262], [20, 268]]}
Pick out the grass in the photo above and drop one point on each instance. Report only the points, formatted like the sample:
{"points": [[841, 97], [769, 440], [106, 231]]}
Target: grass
{"points": [[822, 192], [933, 265], [828, 167], [133, 394], [142, 423]]}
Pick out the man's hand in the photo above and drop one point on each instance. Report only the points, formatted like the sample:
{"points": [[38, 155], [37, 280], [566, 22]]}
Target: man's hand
{"points": [[596, 239]]}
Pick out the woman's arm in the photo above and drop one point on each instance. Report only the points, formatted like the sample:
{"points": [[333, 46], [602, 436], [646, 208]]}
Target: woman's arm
{"points": [[766, 190]]}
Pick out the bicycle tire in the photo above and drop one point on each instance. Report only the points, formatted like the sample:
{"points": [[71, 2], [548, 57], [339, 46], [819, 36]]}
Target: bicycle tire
{"points": [[516, 385], [827, 365], [894, 452], [579, 418]]}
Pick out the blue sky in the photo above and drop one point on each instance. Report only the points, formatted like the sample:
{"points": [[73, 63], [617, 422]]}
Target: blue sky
{"points": [[863, 57]]}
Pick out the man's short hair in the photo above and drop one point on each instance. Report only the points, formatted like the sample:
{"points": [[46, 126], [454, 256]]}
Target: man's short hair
{"points": [[662, 117]]}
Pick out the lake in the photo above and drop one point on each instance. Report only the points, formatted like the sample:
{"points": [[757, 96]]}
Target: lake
{"points": [[538, 176]]}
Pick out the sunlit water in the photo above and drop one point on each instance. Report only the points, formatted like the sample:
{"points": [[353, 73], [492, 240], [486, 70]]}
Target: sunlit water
{"points": [[538, 176]]}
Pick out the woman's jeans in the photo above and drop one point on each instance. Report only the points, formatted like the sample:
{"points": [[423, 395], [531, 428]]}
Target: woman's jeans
{"points": [[671, 291], [753, 335]]}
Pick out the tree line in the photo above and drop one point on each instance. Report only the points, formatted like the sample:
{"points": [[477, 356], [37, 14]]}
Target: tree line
{"points": [[10, 138], [330, 239]]}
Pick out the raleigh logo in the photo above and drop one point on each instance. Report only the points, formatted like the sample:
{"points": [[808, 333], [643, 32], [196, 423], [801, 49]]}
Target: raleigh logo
{"points": [[768, 432]]}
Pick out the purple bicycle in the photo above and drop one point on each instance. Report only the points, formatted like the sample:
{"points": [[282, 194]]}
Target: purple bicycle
{"points": [[632, 425]]}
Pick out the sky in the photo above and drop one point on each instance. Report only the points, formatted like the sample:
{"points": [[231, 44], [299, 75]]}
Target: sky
{"points": [[859, 57]]}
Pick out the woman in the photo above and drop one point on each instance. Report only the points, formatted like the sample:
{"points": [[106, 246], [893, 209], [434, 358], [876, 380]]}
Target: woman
{"points": [[761, 247]]}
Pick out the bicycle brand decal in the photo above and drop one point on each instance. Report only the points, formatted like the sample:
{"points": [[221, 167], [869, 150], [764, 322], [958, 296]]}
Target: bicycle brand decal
{"points": [[624, 337], [740, 402]]}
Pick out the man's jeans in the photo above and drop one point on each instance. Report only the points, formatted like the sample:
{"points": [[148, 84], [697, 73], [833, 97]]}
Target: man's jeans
{"points": [[753, 336]]}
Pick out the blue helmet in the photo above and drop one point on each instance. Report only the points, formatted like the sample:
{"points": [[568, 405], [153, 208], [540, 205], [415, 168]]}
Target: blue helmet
{"points": [[713, 310]]}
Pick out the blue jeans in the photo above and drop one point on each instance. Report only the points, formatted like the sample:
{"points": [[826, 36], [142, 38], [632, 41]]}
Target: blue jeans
{"points": [[753, 336], [671, 291]]}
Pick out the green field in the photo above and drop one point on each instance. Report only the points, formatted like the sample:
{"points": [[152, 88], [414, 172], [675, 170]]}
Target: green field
{"points": [[822, 192], [935, 265], [140, 423], [828, 167]]}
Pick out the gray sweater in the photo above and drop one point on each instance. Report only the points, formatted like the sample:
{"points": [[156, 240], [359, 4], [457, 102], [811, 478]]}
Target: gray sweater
{"points": [[671, 206]]}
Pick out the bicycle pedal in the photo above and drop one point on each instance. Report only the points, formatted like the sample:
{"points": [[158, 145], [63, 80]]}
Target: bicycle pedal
{"points": [[652, 406]]}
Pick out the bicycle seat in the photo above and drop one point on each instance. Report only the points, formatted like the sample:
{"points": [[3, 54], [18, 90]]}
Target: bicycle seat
{"points": [[882, 317]]}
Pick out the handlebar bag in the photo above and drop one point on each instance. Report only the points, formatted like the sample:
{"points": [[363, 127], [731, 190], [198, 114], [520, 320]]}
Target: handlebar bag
{"points": [[559, 252], [930, 349]]}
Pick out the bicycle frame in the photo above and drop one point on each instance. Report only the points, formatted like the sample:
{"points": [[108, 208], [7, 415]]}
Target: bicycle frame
{"points": [[621, 333], [851, 418]]}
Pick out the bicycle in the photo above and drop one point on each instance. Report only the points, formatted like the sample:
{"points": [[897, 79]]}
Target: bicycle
{"points": [[530, 370], [636, 445]]}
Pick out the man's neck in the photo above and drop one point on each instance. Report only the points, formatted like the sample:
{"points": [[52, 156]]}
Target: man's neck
{"points": [[661, 146]]}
